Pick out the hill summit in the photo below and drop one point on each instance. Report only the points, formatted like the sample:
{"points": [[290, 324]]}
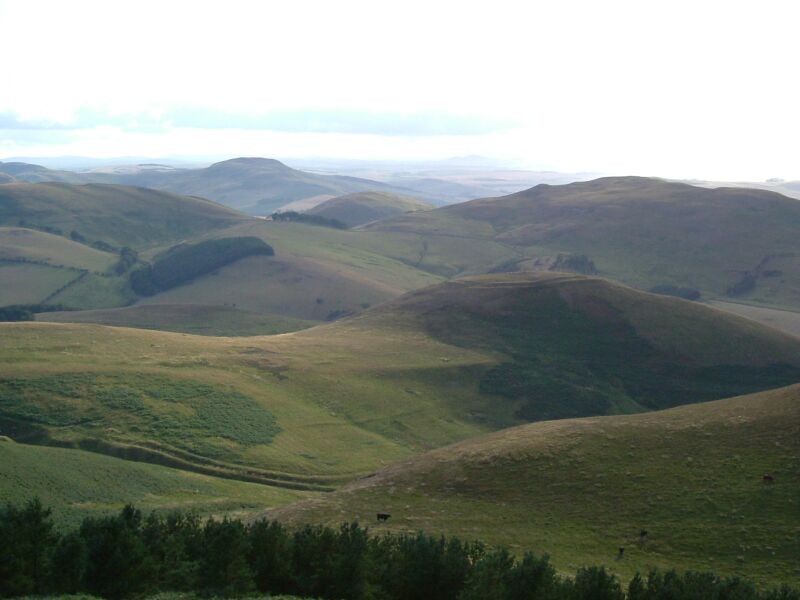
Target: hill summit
{"points": [[645, 232], [575, 346]]}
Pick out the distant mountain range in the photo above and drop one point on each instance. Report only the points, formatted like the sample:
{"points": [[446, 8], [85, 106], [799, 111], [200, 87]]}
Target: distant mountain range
{"points": [[256, 186]]}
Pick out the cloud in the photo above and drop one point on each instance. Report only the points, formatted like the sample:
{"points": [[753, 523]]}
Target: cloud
{"points": [[418, 124]]}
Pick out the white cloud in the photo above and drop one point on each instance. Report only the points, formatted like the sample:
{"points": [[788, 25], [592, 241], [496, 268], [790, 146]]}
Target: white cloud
{"points": [[674, 88]]}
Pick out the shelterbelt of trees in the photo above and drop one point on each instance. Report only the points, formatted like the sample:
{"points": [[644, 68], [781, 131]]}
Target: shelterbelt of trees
{"points": [[136, 555]]}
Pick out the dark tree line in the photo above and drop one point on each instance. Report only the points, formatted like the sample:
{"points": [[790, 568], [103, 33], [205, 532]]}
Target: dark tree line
{"points": [[291, 216], [26, 312], [185, 262], [133, 555]]}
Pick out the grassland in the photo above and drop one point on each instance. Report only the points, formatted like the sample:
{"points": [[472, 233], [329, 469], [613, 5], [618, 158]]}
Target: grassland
{"points": [[579, 489], [76, 483], [17, 243], [118, 215], [31, 283], [317, 273], [182, 318], [643, 232], [339, 400]]}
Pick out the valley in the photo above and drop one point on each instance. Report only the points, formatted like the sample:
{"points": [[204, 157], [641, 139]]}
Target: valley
{"points": [[480, 370]]}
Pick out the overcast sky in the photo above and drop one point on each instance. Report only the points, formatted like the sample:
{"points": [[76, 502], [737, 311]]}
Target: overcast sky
{"points": [[680, 89]]}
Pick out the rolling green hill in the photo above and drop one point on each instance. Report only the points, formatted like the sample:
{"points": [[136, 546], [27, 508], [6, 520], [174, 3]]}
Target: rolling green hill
{"points": [[734, 242], [365, 207], [319, 406], [317, 273], [117, 215], [77, 483], [255, 185], [691, 477]]}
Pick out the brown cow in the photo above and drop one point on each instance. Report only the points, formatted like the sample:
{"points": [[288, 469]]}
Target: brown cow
{"points": [[767, 478]]}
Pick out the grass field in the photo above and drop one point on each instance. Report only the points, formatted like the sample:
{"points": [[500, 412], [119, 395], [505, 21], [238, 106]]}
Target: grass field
{"points": [[28, 283], [298, 288], [118, 215], [579, 489], [76, 484], [94, 291], [335, 401], [181, 318], [28, 244]]}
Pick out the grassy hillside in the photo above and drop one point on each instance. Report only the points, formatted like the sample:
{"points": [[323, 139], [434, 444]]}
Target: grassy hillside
{"points": [[317, 273], [365, 207], [185, 262], [78, 483], [117, 215], [315, 407], [193, 318], [579, 489], [255, 185], [576, 346], [30, 283], [645, 232], [19, 244]]}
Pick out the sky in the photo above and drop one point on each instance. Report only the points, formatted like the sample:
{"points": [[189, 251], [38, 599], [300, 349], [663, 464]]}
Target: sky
{"points": [[699, 89]]}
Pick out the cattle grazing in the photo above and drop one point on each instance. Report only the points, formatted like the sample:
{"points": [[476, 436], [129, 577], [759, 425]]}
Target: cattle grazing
{"points": [[621, 552], [767, 478], [643, 535], [383, 516]]}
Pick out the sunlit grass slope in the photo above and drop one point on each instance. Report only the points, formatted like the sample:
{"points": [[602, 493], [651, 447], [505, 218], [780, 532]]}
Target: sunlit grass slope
{"points": [[18, 244], [76, 483], [580, 489], [316, 407]]}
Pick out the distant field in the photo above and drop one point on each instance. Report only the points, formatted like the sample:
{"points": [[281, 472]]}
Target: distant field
{"points": [[18, 243], [784, 320], [77, 483], [184, 318], [95, 291], [26, 283], [115, 214], [295, 287], [580, 489]]}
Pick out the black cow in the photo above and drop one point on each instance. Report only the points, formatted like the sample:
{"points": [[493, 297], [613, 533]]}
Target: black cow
{"points": [[383, 516], [767, 478]]}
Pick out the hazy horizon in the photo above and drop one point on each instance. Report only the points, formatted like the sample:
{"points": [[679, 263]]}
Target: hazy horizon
{"points": [[682, 91]]}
